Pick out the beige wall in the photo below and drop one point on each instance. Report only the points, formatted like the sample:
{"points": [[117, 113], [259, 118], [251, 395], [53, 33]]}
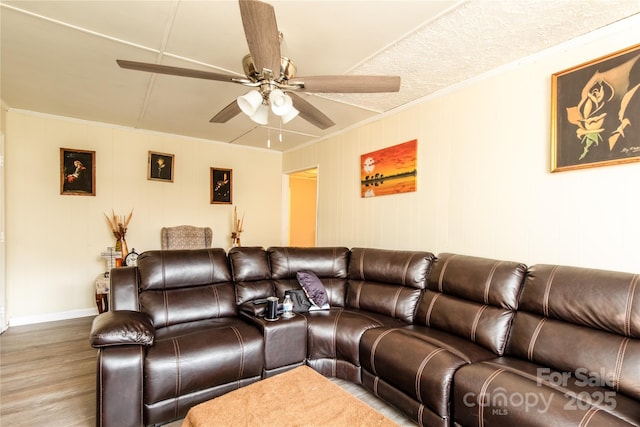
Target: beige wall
{"points": [[54, 241], [484, 186]]}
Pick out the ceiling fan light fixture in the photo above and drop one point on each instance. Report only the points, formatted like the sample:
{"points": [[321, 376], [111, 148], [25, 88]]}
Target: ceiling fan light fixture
{"points": [[281, 103], [286, 118], [261, 116], [250, 102]]}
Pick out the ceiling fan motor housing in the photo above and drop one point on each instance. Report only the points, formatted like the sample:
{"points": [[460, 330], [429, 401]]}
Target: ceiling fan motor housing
{"points": [[287, 69]]}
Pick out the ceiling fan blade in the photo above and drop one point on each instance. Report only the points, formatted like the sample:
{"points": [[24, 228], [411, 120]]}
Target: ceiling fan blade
{"points": [[348, 84], [310, 113], [175, 71], [227, 113], [263, 37]]}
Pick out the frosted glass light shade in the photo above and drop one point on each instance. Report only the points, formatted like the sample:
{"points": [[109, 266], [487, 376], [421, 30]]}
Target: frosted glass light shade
{"points": [[281, 103], [250, 102], [261, 116], [290, 115]]}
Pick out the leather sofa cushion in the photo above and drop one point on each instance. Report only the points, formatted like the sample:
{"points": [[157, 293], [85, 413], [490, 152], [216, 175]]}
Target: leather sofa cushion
{"points": [[121, 328], [398, 302], [574, 319], [505, 389], [576, 295], [160, 270], [336, 333], [418, 361], [190, 357], [474, 298], [324, 261], [252, 274], [175, 306], [249, 264], [405, 268]]}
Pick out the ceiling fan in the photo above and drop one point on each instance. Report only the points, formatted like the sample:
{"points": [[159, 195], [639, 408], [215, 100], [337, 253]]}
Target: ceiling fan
{"points": [[273, 76]]}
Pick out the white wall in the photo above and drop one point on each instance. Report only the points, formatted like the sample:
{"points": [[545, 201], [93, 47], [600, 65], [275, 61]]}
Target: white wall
{"points": [[53, 242], [484, 186]]}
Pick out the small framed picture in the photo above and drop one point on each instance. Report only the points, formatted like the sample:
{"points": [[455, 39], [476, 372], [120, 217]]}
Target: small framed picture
{"points": [[221, 186], [77, 172], [160, 167]]}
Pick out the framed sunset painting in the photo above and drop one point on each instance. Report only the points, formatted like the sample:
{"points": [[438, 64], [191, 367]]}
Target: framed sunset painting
{"points": [[391, 170]]}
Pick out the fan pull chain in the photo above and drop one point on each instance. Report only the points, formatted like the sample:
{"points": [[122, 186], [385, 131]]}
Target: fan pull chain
{"points": [[268, 136]]}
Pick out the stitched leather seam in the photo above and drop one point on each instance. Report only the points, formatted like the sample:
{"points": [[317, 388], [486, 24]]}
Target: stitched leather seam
{"points": [[534, 338], [361, 263], [406, 270], [176, 350], [375, 385], [334, 260], [441, 278], [286, 257], [211, 275], [427, 318], [627, 317], [587, 417], [396, 298], [358, 291], [482, 395], [421, 368], [547, 291], [374, 348], [476, 320], [335, 329], [241, 367], [141, 370], [420, 413], [100, 389], [216, 297], [619, 361], [487, 285], [165, 299]]}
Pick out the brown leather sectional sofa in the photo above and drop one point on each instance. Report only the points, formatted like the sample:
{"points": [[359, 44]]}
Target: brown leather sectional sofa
{"points": [[453, 340]]}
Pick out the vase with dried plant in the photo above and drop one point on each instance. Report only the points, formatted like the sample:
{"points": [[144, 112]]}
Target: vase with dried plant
{"points": [[237, 228], [118, 225]]}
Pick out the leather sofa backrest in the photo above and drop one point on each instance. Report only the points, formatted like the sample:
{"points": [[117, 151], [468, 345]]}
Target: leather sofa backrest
{"points": [[185, 285], [388, 282], [251, 273], [583, 322], [472, 297], [330, 264]]}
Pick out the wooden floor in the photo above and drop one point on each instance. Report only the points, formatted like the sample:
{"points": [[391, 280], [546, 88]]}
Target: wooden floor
{"points": [[48, 375]]}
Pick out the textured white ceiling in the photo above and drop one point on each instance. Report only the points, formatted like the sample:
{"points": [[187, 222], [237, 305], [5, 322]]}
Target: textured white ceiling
{"points": [[58, 57]]}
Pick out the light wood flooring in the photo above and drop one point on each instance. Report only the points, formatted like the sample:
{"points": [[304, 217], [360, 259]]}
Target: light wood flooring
{"points": [[48, 375]]}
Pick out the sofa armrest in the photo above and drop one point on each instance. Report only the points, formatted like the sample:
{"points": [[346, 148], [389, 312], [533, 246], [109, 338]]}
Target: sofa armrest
{"points": [[122, 327]]}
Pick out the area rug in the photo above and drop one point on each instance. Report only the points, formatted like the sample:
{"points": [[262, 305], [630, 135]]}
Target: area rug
{"points": [[299, 397]]}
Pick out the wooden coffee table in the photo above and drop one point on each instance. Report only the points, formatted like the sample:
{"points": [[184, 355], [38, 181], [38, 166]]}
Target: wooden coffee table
{"points": [[299, 397]]}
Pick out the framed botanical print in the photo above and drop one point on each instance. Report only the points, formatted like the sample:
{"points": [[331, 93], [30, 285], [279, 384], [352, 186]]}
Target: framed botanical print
{"points": [[596, 112], [77, 172], [221, 186], [160, 166]]}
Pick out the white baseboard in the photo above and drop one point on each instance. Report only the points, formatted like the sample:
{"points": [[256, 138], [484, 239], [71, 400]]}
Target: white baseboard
{"points": [[52, 317]]}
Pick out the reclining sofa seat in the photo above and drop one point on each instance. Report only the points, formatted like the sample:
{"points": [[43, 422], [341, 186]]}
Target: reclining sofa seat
{"points": [[189, 297], [463, 317], [573, 356]]}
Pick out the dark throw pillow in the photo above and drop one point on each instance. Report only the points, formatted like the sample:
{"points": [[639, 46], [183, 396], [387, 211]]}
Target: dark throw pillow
{"points": [[313, 287]]}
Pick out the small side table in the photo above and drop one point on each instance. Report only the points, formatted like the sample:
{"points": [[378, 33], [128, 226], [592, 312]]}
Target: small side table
{"points": [[102, 292]]}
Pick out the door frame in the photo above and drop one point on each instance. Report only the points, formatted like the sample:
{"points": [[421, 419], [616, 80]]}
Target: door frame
{"points": [[286, 202]]}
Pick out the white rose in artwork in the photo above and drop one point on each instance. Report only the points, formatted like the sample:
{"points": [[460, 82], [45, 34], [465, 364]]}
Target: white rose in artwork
{"points": [[369, 164]]}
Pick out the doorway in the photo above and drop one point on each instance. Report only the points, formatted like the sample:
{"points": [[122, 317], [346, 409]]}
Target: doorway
{"points": [[302, 207]]}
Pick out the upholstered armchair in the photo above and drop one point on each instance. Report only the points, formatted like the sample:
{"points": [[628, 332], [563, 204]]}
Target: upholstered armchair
{"points": [[186, 237]]}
